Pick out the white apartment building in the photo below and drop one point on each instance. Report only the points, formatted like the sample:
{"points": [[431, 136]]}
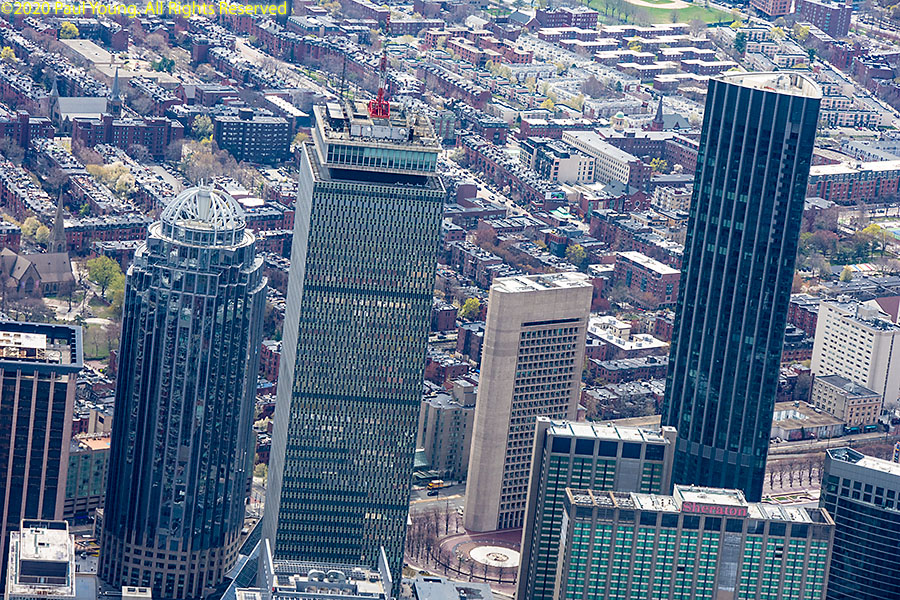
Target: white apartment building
{"points": [[533, 354], [612, 164], [859, 342]]}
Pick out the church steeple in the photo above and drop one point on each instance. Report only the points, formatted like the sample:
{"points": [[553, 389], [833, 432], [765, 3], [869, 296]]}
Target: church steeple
{"points": [[658, 124], [58, 235], [115, 99]]}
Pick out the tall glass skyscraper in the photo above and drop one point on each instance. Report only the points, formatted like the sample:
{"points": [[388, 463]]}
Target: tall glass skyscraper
{"points": [[182, 447], [862, 494], [755, 150], [366, 237]]}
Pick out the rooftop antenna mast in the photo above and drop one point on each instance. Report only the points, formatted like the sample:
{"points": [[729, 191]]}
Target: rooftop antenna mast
{"points": [[379, 108]]}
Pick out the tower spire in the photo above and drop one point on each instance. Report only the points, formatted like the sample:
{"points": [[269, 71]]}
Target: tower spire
{"points": [[658, 123], [58, 235], [115, 85]]}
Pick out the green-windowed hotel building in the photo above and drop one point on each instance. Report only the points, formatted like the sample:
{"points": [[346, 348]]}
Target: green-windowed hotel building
{"points": [[741, 244], [583, 456], [366, 237], [697, 544]]}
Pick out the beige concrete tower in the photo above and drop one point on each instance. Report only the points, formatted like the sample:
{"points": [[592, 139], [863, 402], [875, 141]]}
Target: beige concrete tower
{"points": [[531, 366]]}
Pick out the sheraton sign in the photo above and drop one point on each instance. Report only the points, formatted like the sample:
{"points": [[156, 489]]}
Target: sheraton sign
{"points": [[713, 509]]}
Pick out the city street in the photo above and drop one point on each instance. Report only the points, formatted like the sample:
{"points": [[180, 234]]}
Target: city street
{"points": [[453, 496]]}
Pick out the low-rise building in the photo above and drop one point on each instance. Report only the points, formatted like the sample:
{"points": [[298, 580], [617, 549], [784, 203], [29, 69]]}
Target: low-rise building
{"points": [[855, 405], [648, 282], [86, 478], [799, 421]]}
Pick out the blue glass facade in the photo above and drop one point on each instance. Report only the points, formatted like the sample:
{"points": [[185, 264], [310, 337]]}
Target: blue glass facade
{"points": [[182, 446], [358, 314], [740, 249]]}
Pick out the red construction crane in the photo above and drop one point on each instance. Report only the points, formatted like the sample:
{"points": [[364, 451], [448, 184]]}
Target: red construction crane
{"points": [[379, 108]]}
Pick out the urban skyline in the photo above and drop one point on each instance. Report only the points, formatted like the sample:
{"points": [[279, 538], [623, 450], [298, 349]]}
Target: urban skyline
{"points": [[440, 298]]}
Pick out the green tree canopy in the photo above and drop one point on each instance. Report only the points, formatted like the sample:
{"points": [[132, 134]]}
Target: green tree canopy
{"points": [[103, 271], [471, 309], [30, 227], [740, 42], [576, 255], [68, 31], [202, 128], [847, 274]]}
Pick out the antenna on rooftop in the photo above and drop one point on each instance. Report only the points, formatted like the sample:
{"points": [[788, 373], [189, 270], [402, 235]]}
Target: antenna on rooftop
{"points": [[379, 108]]}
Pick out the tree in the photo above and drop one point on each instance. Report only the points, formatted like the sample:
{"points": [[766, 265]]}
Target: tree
{"points": [[659, 165], [470, 310], [577, 102], [67, 31], [202, 128], [634, 46], [163, 64], [776, 33], [7, 54], [300, 138], [800, 32], [42, 235], [847, 274], [11, 150], [695, 26], [576, 255], [261, 471], [30, 226], [592, 87], [740, 42], [548, 104], [811, 53], [103, 271]]}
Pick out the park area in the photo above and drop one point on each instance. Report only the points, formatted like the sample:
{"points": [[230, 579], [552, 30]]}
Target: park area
{"points": [[657, 11]]}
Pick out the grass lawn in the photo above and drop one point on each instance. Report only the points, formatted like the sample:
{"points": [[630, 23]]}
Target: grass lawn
{"points": [[664, 15]]}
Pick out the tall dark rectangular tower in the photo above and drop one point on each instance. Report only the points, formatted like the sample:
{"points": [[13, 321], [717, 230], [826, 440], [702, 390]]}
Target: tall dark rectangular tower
{"points": [[359, 298], [755, 150], [39, 366]]}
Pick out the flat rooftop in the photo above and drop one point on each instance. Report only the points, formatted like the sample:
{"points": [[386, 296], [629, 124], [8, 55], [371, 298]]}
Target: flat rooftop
{"points": [[538, 283], [792, 84], [649, 263], [41, 560], [851, 456], [607, 431], [697, 500], [39, 344]]}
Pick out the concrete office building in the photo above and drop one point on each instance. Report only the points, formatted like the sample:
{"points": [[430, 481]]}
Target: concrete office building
{"points": [[855, 405], [41, 562], [584, 456], [364, 255], [445, 430], [697, 543], [862, 494], [858, 342], [531, 364], [39, 365], [182, 448], [740, 249], [611, 163]]}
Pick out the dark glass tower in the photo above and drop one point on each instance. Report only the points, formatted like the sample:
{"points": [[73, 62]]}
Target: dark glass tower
{"points": [[39, 366], [363, 261], [182, 447], [862, 494], [755, 150]]}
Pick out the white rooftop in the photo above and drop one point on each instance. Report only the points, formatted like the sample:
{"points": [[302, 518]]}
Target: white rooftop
{"points": [[538, 283], [793, 84]]}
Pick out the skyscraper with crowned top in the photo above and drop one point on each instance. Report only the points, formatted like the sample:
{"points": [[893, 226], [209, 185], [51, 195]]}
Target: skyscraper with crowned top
{"points": [[182, 441]]}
